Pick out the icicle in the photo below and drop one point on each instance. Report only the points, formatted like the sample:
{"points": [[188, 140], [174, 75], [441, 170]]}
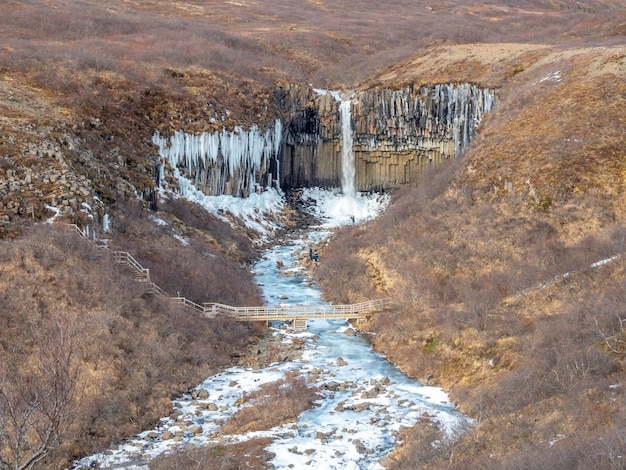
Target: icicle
{"points": [[221, 162], [106, 223]]}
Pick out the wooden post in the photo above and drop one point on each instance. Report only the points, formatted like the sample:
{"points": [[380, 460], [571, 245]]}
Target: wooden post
{"points": [[299, 324]]}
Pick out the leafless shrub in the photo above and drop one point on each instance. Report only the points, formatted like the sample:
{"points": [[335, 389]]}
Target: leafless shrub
{"points": [[605, 450], [249, 454], [615, 337], [37, 404], [133, 353], [424, 444], [197, 217], [274, 404], [177, 268], [333, 266]]}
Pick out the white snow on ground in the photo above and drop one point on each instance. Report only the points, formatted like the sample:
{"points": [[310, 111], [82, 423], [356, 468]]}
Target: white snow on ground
{"points": [[336, 209], [257, 212], [57, 213], [551, 77]]}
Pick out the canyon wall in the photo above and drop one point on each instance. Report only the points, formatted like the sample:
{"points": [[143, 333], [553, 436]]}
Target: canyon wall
{"points": [[396, 133], [236, 163]]}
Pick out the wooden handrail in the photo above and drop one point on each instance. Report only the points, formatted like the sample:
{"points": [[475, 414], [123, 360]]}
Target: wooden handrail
{"points": [[274, 312], [125, 258], [157, 290], [188, 303]]}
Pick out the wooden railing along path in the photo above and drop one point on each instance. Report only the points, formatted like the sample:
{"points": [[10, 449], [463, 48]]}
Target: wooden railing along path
{"points": [[304, 312], [298, 314], [124, 258]]}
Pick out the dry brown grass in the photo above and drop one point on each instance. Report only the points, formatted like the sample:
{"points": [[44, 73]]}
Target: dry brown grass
{"points": [[273, 404], [539, 193], [132, 353], [210, 267], [136, 68], [328, 42], [450, 252], [578, 148], [248, 454]]}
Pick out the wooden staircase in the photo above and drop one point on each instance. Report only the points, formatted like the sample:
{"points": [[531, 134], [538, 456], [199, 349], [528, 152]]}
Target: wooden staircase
{"points": [[297, 315]]}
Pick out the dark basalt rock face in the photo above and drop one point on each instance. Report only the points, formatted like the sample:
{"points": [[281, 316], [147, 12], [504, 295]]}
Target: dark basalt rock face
{"points": [[396, 133]]}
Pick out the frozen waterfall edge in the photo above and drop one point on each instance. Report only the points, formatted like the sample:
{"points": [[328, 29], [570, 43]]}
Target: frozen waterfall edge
{"points": [[395, 135]]}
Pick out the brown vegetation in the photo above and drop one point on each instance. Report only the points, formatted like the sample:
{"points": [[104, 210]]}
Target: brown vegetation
{"points": [[490, 258], [271, 405], [191, 254], [121, 355], [248, 454], [84, 85]]}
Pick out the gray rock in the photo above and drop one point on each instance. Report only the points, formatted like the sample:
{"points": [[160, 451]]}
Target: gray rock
{"points": [[360, 448], [362, 406], [201, 394], [195, 429]]}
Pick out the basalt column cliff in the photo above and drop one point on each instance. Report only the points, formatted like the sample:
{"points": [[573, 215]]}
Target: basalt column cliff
{"points": [[396, 133]]}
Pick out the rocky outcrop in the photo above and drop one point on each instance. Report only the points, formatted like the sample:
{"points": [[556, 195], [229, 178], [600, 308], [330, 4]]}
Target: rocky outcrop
{"points": [[396, 133], [311, 150], [41, 177], [237, 163]]}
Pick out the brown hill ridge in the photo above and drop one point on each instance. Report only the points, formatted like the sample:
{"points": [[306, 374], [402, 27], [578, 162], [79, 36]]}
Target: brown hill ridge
{"points": [[540, 193]]}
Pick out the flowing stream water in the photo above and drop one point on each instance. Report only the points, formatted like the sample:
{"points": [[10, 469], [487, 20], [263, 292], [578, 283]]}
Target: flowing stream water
{"points": [[365, 401]]}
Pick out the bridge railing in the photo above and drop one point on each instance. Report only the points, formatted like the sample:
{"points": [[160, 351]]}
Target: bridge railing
{"points": [[188, 303], [298, 311], [274, 312]]}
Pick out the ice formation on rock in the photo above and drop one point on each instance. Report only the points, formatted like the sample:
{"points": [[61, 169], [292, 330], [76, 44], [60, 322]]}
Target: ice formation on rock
{"points": [[236, 163]]}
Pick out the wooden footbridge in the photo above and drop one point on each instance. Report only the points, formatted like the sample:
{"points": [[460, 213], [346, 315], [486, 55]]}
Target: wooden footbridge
{"points": [[297, 315]]}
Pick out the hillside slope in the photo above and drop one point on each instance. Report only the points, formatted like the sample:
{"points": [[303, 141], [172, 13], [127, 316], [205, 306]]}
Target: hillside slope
{"points": [[88, 357], [470, 254]]}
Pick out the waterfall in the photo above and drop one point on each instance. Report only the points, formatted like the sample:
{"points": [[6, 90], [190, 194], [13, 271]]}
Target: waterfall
{"points": [[347, 154], [377, 139]]}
